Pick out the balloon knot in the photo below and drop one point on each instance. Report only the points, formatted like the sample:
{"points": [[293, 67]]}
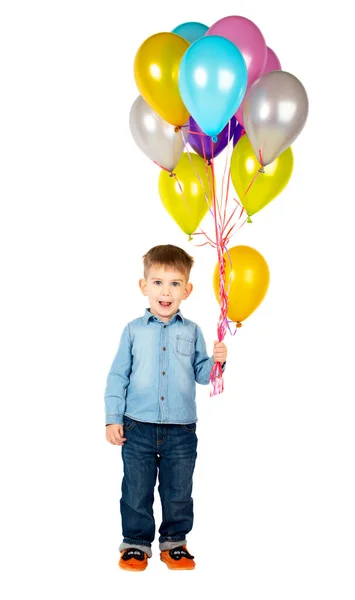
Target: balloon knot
{"points": [[177, 129], [238, 325], [190, 238], [172, 174], [262, 170], [214, 139], [249, 219]]}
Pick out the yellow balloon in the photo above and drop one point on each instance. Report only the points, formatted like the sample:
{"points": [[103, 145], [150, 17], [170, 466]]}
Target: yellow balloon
{"points": [[267, 185], [183, 195], [248, 277], [156, 70]]}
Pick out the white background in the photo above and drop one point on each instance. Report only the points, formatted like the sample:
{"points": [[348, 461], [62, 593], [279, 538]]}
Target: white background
{"points": [[274, 485]]}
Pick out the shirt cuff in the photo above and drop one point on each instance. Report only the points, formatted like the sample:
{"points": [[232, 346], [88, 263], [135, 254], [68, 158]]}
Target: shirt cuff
{"points": [[114, 419]]}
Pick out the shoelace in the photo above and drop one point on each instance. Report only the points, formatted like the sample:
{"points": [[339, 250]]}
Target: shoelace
{"points": [[133, 553], [179, 553]]}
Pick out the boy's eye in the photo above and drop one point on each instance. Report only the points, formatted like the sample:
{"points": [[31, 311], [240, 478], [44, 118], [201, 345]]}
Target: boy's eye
{"points": [[176, 283], [157, 282]]}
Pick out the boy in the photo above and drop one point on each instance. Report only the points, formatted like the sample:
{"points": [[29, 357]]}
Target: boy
{"points": [[151, 412]]}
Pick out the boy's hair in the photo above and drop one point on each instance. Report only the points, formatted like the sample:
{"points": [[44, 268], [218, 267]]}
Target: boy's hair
{"points": [[168, 256]]}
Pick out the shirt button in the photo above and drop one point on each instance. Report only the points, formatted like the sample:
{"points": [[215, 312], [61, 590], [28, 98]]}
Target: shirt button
{"points": [[162, 398], [164, 326], [164, 348], [163, 372]]}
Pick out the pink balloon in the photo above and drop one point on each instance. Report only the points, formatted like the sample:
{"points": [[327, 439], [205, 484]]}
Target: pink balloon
{"points": [[239, 114], [248, 39], [272, 64]]}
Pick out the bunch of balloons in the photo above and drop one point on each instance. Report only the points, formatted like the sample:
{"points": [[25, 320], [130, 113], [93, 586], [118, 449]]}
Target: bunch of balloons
{"points": [[200, 89]]}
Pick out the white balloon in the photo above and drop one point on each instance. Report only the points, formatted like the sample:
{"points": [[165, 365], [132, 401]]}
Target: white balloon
{"points": [[274, 113], [155, 137]]}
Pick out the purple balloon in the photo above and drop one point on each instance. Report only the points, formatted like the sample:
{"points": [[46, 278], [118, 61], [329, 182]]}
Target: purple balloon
{"points": [[204, 142], [239, 130]]}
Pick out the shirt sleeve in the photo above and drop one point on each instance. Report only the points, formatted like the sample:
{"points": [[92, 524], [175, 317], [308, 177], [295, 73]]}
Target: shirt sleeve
{"points": [[118, 380], [203, 362]]}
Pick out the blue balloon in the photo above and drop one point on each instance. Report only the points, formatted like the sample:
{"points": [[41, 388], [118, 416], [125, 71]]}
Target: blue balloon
{"points": [[212, 82], [191, 31]]}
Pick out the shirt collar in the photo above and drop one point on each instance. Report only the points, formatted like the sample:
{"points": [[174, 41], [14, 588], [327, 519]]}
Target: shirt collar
{"points": [[148, 316]]}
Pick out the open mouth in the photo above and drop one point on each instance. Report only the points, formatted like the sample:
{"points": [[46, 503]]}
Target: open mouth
{"points": [[164, 304]]}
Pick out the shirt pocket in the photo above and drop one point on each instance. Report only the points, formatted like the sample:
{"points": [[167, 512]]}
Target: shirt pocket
{"points": [[185, 346]]}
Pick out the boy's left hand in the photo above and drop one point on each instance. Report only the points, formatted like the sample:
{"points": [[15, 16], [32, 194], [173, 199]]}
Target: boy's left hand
{"points": [[220, 352]]}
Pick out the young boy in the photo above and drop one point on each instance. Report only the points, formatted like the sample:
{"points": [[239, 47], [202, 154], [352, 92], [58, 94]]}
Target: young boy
{"points": [[151, 412]]}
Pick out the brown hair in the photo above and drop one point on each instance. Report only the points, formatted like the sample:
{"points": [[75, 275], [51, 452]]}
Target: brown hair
{"points": [[168, 256]]}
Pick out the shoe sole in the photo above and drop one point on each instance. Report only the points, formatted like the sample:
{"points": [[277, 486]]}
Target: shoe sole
{"points": [[131, 568], [177, 568]]}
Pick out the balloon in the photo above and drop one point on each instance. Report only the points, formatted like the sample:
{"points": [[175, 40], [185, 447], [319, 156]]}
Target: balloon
{"points": [[239, 114], [156, 68], [154, 136], [212, 82], [248, 277], [239, 131], [203, 144], [272, 64], [191, 31], [275, 112], [184, 197], [266, 185], [248, 39]]}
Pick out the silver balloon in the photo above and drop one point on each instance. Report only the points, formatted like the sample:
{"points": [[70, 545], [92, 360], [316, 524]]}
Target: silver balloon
{"points": [[154, 136], [274, 114]]}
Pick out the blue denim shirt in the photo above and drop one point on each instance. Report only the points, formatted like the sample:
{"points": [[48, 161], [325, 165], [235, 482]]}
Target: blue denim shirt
{"points": [[153, 375]]}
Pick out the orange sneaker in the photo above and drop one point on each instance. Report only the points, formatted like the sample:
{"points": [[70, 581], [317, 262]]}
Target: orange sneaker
{"points": [[133, 559], [178, 559]]}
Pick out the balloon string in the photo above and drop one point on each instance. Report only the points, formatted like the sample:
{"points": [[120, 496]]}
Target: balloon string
{"points": [[227, 195], [196, 133], [261, 170], [224, 229], [224, 175], [161, 166], [230, 218], [207, 164], [216, 204], [216, 375], [249, 186], [222, 239]]}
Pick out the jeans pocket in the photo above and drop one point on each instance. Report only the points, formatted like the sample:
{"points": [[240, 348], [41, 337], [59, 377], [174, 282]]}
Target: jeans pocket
{"points": [[191, 427], [128, 423], [185, 346]]}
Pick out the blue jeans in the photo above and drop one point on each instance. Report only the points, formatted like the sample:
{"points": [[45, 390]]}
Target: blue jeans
{"points": [[168, 451]]}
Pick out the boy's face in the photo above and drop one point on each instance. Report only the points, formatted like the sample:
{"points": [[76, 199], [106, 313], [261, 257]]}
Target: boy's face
{"points": [[166, 288]]}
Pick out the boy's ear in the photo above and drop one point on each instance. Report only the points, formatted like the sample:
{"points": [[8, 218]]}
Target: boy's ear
{"points": [[188, 289], [143, 287]]}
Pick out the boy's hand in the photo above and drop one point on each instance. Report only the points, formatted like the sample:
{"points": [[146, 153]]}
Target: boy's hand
{"points": [[114, 434], [220, 352]]}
